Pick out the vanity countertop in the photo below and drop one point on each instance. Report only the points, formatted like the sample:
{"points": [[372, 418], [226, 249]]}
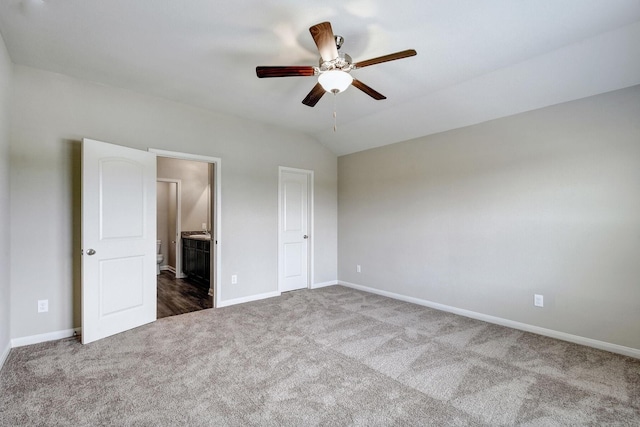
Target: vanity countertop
{"points": [[196, 236]]}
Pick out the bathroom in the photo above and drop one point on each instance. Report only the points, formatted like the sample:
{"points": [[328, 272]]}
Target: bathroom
{"points": [[184, 206]]}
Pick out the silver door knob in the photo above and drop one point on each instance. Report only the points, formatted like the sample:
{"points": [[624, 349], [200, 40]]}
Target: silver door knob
{"points": [[305, 236], [91, 252]]}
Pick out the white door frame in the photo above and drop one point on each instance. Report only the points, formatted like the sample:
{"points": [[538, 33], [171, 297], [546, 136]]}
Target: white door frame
{"points": [[216, 242], [178, 242], [310, 201]]}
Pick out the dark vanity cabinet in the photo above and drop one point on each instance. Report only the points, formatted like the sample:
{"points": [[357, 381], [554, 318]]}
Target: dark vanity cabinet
{"points": [[196, 259]]}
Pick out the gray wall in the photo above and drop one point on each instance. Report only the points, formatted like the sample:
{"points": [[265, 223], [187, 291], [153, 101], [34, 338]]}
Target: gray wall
{"points": [[483, 217], [5, 100], [195, 190], [52, 113]]}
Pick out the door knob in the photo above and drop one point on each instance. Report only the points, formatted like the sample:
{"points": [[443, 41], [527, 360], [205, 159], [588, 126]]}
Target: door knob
{"points": [[305, 236], [91, 252]]}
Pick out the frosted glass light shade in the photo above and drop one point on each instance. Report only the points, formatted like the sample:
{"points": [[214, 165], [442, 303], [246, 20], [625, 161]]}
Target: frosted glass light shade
{"points": [[335, 81]]}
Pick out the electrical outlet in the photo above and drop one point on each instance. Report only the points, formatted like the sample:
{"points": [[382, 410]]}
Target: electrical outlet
{"points": [[43, 305], [358, 269], [234, 279], [204, 226], [538, 300]]}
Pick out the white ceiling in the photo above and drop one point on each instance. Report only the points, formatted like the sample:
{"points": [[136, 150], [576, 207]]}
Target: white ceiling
{"points": [[477, 59]]}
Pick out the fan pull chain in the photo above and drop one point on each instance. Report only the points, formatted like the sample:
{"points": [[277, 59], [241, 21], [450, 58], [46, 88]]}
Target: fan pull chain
{"points": [[335, 119]]}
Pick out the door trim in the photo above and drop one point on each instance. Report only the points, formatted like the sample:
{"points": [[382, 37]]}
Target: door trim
{"points": [[217, 224], [310, 202], [178, 249]]}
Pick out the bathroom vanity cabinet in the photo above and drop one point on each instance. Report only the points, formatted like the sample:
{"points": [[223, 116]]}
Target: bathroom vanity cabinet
{"points": [[196, 259]]}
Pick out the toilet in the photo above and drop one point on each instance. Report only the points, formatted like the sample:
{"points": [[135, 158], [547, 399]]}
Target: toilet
{"points": [[159, 256]]}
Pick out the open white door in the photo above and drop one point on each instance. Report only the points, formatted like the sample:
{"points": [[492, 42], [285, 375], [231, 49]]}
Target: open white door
{"points": [[118, 239], [293, 252]]}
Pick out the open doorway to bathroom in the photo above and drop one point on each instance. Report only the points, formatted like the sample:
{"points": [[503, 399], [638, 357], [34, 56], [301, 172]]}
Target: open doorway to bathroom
{"points": [[187, 226]]}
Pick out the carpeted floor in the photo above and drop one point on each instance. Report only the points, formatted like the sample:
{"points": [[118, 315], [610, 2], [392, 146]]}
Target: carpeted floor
{"points": [[333, 356]]}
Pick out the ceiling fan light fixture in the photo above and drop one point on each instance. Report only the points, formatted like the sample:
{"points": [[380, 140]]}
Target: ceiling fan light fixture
{"points": [[335, 81]]}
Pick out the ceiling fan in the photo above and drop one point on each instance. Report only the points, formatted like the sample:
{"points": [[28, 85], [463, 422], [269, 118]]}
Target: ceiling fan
{"points": [[334, 68]]}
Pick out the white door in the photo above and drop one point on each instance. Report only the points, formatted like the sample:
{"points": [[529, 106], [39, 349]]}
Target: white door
{"points": [[118, 239], [293, 254]]}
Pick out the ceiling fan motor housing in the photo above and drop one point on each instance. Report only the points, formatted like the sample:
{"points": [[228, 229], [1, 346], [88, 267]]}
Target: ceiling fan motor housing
{"points": [[342, 63]]}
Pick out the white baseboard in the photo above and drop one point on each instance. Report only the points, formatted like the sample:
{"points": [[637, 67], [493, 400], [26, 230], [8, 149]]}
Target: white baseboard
{"points": [[266, 295], [49, 336], [5, 354], [324, 284], [602, 345], [226, 303], [168, 268]]}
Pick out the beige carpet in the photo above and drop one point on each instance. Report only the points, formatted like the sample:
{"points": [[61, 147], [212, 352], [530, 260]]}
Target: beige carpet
{"points": [[333, 356]]}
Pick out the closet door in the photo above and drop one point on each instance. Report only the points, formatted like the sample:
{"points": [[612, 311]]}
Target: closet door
{"points": [[293, 233]]}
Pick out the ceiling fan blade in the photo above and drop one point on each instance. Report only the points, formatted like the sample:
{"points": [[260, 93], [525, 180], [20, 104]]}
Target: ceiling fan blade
{"points": [[323, 36], [314, 96], [290, 71], [386, 58], [366, 89]]}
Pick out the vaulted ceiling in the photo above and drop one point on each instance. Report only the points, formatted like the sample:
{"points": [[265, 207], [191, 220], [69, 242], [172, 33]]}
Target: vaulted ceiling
{"points": [[477, 59]]}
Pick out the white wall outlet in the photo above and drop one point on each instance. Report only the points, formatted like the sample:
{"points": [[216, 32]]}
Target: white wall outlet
{"points": [[43, 305], [204, 226], [234, 279], [358, 269], [538, 300]]}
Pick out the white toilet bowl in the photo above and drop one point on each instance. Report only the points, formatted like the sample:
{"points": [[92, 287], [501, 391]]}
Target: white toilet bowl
{"points": [[159, 257]]}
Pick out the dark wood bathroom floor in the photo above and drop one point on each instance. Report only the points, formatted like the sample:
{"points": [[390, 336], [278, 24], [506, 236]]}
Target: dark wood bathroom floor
{"points": [[177, 296]]}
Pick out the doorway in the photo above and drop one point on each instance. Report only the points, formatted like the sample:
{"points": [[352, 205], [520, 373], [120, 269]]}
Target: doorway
{"points": [[169, 225], [174, 296], [119, 237], [198, 186]]}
